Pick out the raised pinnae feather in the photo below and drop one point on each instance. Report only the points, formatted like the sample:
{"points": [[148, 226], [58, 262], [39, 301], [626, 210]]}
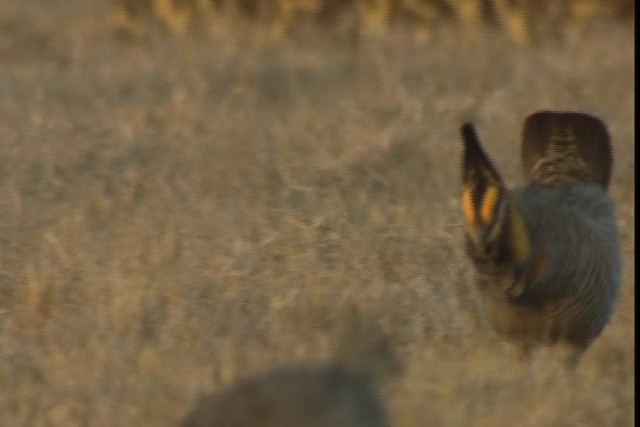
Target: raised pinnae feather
{"points": [[477, 167]]}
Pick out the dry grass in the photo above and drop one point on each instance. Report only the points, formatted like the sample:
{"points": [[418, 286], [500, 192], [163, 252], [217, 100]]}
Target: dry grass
{"points": [[179, 214], [524, 21]]}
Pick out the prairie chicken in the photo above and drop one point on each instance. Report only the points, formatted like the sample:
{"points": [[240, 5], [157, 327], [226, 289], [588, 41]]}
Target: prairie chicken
{"points": [[344, 392], [546, 256], [291, 397]]}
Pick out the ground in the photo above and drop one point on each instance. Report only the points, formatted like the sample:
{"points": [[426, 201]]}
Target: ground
{"points": [[180, 213]]}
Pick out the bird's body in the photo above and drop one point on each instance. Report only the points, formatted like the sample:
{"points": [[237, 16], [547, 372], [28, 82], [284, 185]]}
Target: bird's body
{"points": [[547, 255], [291, 397], [345, 392]]}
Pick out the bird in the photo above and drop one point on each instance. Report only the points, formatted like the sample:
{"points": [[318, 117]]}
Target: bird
{"points": [[343, 392], [315, 396], [546, 255]]}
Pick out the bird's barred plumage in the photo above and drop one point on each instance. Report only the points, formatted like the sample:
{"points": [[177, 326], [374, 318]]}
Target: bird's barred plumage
{"points": [[547, 256]]}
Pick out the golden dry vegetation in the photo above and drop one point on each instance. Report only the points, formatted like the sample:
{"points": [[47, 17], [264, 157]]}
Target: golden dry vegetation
{"points": [[181, 213], [524, 21]]}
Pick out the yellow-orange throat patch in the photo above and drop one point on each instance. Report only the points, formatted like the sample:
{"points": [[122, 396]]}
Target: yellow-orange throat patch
{"points": [[482, 215], [489, 202], [520, 243], [468, 207]]}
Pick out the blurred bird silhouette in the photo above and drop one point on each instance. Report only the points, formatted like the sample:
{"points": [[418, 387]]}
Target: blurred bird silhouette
{"points": [[344, 392]]}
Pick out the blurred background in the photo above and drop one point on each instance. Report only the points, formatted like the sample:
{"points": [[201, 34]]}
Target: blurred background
{"points": [[194, 192], [521, 20]]}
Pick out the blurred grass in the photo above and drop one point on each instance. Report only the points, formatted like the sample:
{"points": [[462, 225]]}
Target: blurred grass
{"points": [[178, 214], [524, 21]]}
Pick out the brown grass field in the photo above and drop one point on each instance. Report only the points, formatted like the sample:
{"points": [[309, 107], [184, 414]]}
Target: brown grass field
{"points": [[181, 213]]}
